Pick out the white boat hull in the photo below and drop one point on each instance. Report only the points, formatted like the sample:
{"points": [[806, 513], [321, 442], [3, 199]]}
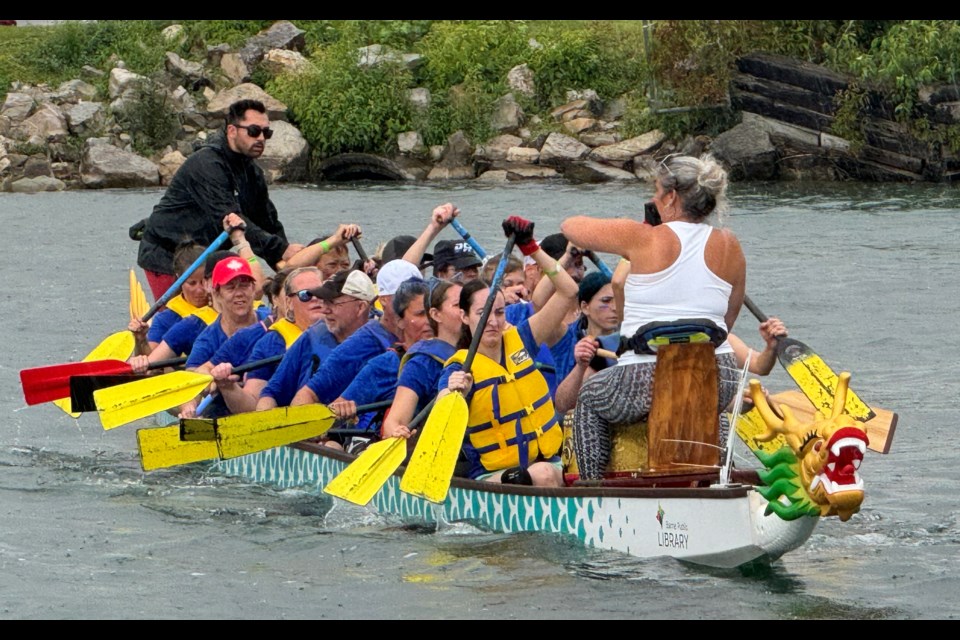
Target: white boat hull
{"points": [[720, 527]]}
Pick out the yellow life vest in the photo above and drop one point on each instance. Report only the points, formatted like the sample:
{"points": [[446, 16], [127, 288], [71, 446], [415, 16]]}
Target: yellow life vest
{"points": [[179, 305], [287, 330], [510, 406]]}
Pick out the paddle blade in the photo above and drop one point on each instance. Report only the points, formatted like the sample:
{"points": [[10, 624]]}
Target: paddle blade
{"points": [[360, 481], [46, 384], [82, 388], [138, 299], [816, 379], [198, 429], [161, 448], [254, 431], [125, 403], [431, 467]]}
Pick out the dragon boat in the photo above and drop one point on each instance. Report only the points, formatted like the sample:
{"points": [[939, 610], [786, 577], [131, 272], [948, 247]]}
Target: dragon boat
{"points": [[720, 517]]}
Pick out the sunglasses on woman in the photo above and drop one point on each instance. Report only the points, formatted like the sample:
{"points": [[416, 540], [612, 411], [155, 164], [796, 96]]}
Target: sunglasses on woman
{"points": [[254, 130]]}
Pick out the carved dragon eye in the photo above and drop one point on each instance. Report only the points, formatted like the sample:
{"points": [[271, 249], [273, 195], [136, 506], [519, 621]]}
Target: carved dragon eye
{"points": [[810, 437]]}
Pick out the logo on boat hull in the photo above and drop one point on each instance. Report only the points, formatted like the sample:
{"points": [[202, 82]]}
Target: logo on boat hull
{"points": [[660, 513]]}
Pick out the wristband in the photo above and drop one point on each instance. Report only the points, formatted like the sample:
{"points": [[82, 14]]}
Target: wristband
{"points": [[252, 260], [325, 246], [555, 271], [529, 247]]}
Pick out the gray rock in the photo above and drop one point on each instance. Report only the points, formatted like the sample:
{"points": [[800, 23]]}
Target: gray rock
{"points": [[622, 152], [169, 164], [591, 172], [531, 172], [175, 34], [17, 106], [419, 98], [183, 70], [285, 158], [560, 149], [216, 52], [496, 148], [451, 173], [280, 35], [105, 167], [521, 80], [234, 68], [507, 115], [600, 138], [36, 185], [494, 176], [84, 118], [218, 107], [36, 166], [91, 72], [47, 124], [747, 152], [123, 82], [410, 143], [525, 155], [579, 125], [278, 61], [457, 152], [74, 91]]}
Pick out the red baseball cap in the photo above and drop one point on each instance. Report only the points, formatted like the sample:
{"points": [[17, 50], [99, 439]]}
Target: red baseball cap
{"points": [[228, 269]]}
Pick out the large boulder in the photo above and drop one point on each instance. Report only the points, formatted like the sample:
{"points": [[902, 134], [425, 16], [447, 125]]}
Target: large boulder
{"points": [[747, 152], [104, 166], [220, 104], [280, 35], [17, 106], [560, 149], [285, 157], [36, 185], [47, 124]]}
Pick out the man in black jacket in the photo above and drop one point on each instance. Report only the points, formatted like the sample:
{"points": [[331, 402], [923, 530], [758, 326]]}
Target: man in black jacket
{"points": [[219, 178]]}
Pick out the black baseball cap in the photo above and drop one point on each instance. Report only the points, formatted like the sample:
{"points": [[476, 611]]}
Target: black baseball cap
{"points": [[455, 252]]}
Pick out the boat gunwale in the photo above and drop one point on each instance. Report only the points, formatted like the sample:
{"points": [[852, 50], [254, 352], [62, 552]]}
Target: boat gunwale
{"points": [[714, 492]]}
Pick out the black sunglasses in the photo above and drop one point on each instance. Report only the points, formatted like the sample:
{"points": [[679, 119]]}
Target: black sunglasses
{"points": [[305, 295], [254, 130]]}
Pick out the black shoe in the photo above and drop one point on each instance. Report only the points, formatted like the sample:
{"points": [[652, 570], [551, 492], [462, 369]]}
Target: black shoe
{"points": [[516, 475]]}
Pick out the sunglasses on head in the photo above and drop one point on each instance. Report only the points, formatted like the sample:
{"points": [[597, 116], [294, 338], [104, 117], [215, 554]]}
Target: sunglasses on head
{"points": [[254, 130]]}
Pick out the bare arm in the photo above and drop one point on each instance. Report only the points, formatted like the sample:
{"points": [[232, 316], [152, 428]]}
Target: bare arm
{"points": [[304, 396], [620, 236], [569, 389], [617, 283], [547, 323], [439, 218], [309, 256], [401, 413]]}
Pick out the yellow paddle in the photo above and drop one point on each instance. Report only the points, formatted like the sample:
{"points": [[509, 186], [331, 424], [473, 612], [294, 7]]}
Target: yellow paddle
{"points": [[120, 345], [361, 480], [880, 429], [253, 431], [138, 299], [125, 403], [161, 447], [433, 461], [814, 377]]}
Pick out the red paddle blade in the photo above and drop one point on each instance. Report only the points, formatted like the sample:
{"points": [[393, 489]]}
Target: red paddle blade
{"points": [[46, 384]]}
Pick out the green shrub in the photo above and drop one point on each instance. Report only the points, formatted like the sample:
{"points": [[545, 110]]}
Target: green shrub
{"points": [[149, 119], [341, 107]]}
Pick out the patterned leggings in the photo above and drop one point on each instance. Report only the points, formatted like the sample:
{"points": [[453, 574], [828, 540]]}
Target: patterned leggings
{"points": [[623, 394]]}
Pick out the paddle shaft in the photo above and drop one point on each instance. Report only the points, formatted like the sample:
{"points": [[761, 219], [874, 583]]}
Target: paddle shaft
{"points": [[604, 269], [175, 287], [466, 236], [488, 307], [748, 303], [360, 251]]}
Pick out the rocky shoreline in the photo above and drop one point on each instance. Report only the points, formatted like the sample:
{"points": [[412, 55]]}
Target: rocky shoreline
{"points": [[69, 137]]}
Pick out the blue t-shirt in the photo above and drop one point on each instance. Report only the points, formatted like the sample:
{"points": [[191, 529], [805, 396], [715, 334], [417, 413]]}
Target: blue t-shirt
{"points": [[161, 324], [563, 350], [182, 336], [206, 344], [270, 344], [344, 363], [299, 363], [238, 347], [420, 372]]}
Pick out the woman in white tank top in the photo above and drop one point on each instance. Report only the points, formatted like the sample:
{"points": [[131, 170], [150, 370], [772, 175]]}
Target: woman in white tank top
{"points": [[683, 268]]}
